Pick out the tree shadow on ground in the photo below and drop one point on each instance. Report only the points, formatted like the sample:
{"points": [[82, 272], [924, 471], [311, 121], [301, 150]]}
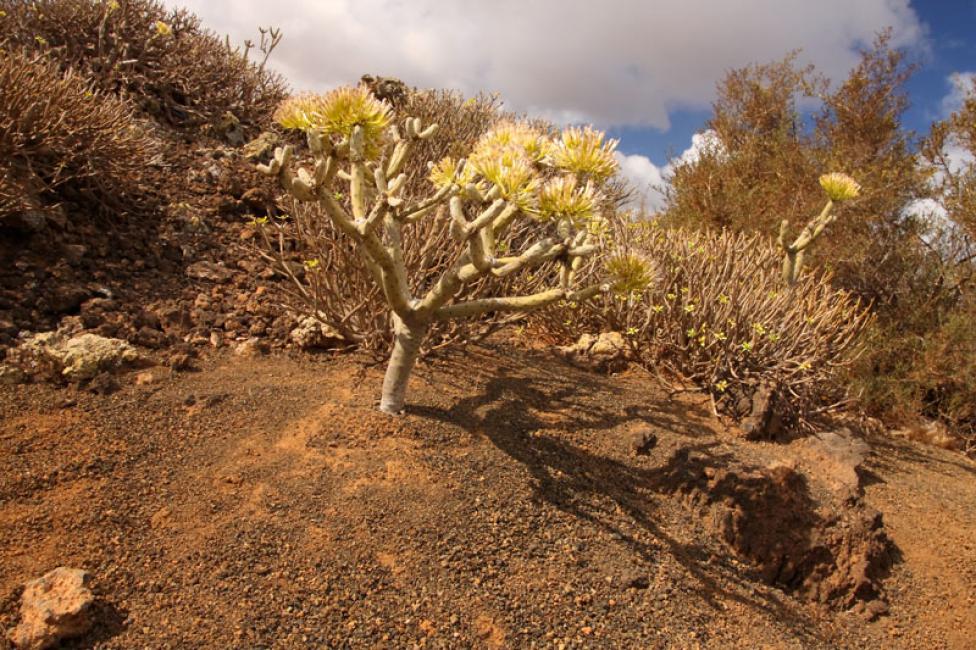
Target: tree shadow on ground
{"points": [[515, 410], [891, 454]]}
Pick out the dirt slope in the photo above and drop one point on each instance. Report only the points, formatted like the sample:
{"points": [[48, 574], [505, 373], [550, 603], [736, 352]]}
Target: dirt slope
{"points": [[263, 503]]}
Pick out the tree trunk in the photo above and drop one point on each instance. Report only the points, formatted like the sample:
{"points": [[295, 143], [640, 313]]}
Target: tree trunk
{"points": [[406, 348]]}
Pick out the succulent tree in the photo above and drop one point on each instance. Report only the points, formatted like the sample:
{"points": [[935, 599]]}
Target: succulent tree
{"points": [[514, 173], [839, 187]]}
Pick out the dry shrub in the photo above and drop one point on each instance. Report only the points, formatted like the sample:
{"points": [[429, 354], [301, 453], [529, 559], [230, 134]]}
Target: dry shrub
{"points": [[60, 140], [171, 67], [328, 278], [719, 314]]}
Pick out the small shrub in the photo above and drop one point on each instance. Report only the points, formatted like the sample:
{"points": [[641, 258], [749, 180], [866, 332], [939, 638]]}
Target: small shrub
{"points": [[171, 67], [350, 302], [61, 140], [515, 174], [720, 315]]}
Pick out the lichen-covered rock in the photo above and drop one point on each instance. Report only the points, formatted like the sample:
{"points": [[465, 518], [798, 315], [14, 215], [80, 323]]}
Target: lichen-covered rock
{"points": [[606, 352], [56, 606], [76, 358], [252, 347], [312, 334]]}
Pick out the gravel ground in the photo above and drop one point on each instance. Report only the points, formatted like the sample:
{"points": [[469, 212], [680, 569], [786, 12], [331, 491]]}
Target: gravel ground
{"points": [[264, 503]]}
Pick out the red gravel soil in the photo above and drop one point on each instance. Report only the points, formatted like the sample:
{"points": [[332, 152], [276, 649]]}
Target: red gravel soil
{"points": [[265, 503]]}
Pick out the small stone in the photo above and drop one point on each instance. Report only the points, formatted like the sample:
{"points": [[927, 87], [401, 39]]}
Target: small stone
{"points": [[103, 384], [639, 581], [180, 361], [208, 271], [875, 609], [10, 375], [74, 253], [253, 347], [145, 378], [312, 334], [53, 607], [642, 443], [261, 148]]}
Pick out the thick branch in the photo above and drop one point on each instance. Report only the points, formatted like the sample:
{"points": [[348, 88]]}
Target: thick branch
{"points": [[532, 302]]}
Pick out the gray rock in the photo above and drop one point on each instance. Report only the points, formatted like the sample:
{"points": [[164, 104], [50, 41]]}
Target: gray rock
{"points": [[834, 457]]}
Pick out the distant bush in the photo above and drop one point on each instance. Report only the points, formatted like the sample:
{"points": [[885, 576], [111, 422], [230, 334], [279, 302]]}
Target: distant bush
{"points": [[62, 140], [162, 59], [720, 315]]}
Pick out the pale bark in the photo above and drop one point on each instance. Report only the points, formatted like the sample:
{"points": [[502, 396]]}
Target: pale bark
{"points": [[406, 349]]}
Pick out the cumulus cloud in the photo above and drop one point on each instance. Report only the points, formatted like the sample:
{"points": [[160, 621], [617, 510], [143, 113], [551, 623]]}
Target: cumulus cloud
{"points": [[646, 179], [650, 181], [616, 62]]}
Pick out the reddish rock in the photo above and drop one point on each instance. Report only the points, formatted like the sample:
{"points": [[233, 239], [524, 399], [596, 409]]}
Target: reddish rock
{"points": [[53, 607], [208, 271]]}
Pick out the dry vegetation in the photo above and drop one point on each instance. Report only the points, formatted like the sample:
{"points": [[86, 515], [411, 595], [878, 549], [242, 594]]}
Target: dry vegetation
{"points": [[720, 315], [61, 139], [350, 302], [86, 67], [914, 272], [518, 501], [163, 60]]}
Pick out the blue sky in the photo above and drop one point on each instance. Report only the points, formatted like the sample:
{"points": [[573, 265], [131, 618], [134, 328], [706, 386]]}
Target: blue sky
{"points": [[948, 46], [644, 70]]}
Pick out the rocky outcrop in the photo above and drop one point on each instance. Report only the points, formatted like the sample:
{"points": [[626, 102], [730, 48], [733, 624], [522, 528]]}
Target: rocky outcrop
{"points": [[823, 545]]}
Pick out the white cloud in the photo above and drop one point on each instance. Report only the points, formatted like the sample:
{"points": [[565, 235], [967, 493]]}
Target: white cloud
{"points": [[614, 62], [927, 210], [961, 84], [706, 141], [650, 181], [645, 178]]}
